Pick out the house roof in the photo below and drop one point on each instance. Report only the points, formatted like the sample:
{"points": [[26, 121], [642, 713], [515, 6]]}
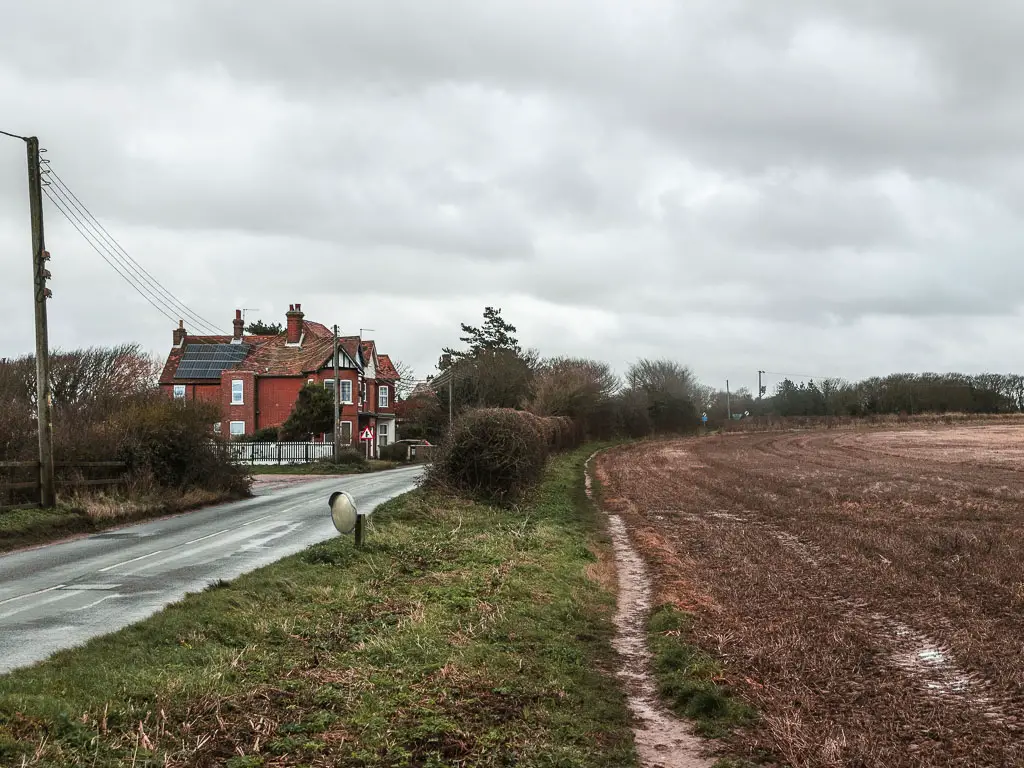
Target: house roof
{"points": [[271, 355], [386, 369]]}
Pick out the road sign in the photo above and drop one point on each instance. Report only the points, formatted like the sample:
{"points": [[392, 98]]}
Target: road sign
{"points": [[366, 434], [704, 418]]}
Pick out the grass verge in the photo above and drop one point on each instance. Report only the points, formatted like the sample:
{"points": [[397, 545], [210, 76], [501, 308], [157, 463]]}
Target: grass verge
{"points": [[324, 468], [461, 634], [96, 512], [688, 678]]}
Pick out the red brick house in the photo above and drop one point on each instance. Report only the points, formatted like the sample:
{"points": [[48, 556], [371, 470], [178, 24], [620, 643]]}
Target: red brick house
{"points": [[256, 379]]}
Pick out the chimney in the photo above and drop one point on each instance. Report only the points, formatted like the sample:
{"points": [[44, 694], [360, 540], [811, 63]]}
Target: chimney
{"points": [[294, 316], [239, 327], [179, 334]]}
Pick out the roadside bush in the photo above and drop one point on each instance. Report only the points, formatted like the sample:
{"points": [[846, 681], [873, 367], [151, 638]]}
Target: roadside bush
{"points": [[169, 442], [347, 457], [394, 452], [497, 454]]}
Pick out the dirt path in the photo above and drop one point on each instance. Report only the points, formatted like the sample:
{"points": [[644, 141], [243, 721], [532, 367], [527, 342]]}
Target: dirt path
{"points": [[662, 741], [863, 591]]}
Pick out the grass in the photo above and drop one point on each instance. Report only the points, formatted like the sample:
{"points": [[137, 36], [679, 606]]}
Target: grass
{"points": [[461, 634], [688, 677], [96, 512], [325, 468]]}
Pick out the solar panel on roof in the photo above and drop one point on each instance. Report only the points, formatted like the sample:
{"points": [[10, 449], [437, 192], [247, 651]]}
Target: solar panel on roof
{"points": [[206, 361]]}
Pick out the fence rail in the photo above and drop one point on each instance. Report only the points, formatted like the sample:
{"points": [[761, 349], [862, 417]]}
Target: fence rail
{"points": [[280, 453], [19, 480]]}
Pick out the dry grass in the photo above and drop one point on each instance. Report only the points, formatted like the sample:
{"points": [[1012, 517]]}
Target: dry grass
{"points": [[115, 506], [863, 590]]}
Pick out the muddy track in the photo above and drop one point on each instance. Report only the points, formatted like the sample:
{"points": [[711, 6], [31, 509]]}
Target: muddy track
{"points": [[865, 591]]}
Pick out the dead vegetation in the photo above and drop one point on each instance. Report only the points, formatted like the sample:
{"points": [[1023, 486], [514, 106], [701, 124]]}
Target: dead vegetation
{"points": [[863, 591]]}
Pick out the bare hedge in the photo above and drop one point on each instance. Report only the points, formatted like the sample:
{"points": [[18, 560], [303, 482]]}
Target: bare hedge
{"points": [[498, 454]]}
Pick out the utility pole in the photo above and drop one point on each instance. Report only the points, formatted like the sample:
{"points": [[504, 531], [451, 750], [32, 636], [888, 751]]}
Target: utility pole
{"points": [[760, 388], [728, 402], [446, 361], [47, 493], [337, 400]]}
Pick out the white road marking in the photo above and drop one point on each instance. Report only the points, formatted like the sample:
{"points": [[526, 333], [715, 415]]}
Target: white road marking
{"points": [[95, 603], [133, 560], [201, 538], [29, 594], [54, 599], [255, 521]]}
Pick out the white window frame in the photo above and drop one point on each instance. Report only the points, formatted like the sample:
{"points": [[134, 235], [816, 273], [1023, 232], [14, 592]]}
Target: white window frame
{"points": [[179, 391], [231, 428], [382, 433], [240, 392], [329, 384], [349, 398], [382, 396], [349, 431], [311, 381], [216, 428]]}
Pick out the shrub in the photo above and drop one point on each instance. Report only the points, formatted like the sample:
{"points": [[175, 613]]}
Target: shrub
{"points": [[395, 452], [264, 435], [497, 454], [349, 456], [169, 442]]}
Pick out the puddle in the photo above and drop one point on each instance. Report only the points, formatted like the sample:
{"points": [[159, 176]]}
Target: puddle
{"points": [[662, 740]]}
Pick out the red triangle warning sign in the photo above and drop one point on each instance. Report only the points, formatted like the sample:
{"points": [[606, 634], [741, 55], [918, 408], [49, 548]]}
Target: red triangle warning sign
{"points": [[366, 434]]}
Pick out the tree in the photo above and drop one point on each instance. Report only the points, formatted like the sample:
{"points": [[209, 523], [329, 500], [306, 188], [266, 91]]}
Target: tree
{"points": [[313, 414], [671, 391], [406, 379], [492, 372], [259, 328], [494, 334], [579, 389]]}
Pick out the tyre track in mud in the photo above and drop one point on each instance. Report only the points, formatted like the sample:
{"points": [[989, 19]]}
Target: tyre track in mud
{"points": [[835, 609]]}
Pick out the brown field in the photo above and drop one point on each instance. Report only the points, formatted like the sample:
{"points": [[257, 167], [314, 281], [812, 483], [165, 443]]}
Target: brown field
{"points": [[864, 591]]}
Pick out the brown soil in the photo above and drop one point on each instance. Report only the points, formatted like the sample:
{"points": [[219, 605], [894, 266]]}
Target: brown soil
{"points": [[662, 740], [864, 591]]}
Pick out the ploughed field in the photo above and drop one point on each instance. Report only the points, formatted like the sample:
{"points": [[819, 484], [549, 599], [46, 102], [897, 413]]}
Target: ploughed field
{"points": [[863, 590]]}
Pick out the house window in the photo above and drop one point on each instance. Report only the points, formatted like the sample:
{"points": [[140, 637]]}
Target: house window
{"points": [[237, 428], [346, 433], [346, 392], [179, 391], [382, 397], [329, 384], [216, 428], [311, 381], [236, 392], [382, 433]]}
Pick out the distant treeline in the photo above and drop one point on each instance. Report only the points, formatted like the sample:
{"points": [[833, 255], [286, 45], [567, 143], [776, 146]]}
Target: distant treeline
{"points": [[899, 393]]}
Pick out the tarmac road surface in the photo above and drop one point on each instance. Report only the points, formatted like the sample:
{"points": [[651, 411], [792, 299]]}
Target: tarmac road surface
{"points": [[60, 595]]}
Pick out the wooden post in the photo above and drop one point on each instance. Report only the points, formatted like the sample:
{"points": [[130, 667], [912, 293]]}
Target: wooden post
{"points": [[359, 531], [337, 401], [44, 417]]}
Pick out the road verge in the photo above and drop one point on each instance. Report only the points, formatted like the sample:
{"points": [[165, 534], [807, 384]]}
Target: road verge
{"points": [[461, 634]]}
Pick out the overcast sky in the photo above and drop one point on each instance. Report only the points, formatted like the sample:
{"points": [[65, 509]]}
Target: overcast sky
{"points": [[796, 186]]}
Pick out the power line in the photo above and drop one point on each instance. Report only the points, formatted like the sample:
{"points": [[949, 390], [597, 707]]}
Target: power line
{"points": [[14, 136], [74, 222], [140, 272]]}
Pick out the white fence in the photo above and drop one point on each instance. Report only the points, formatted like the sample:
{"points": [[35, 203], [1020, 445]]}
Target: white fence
{"points": [[279, 453]]}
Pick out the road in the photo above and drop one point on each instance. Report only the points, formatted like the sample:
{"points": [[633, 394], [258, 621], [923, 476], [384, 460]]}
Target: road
{"points": [[60, 595]]}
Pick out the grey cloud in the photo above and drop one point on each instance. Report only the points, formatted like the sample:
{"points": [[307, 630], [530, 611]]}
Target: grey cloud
{"points": [[832, 186]]}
